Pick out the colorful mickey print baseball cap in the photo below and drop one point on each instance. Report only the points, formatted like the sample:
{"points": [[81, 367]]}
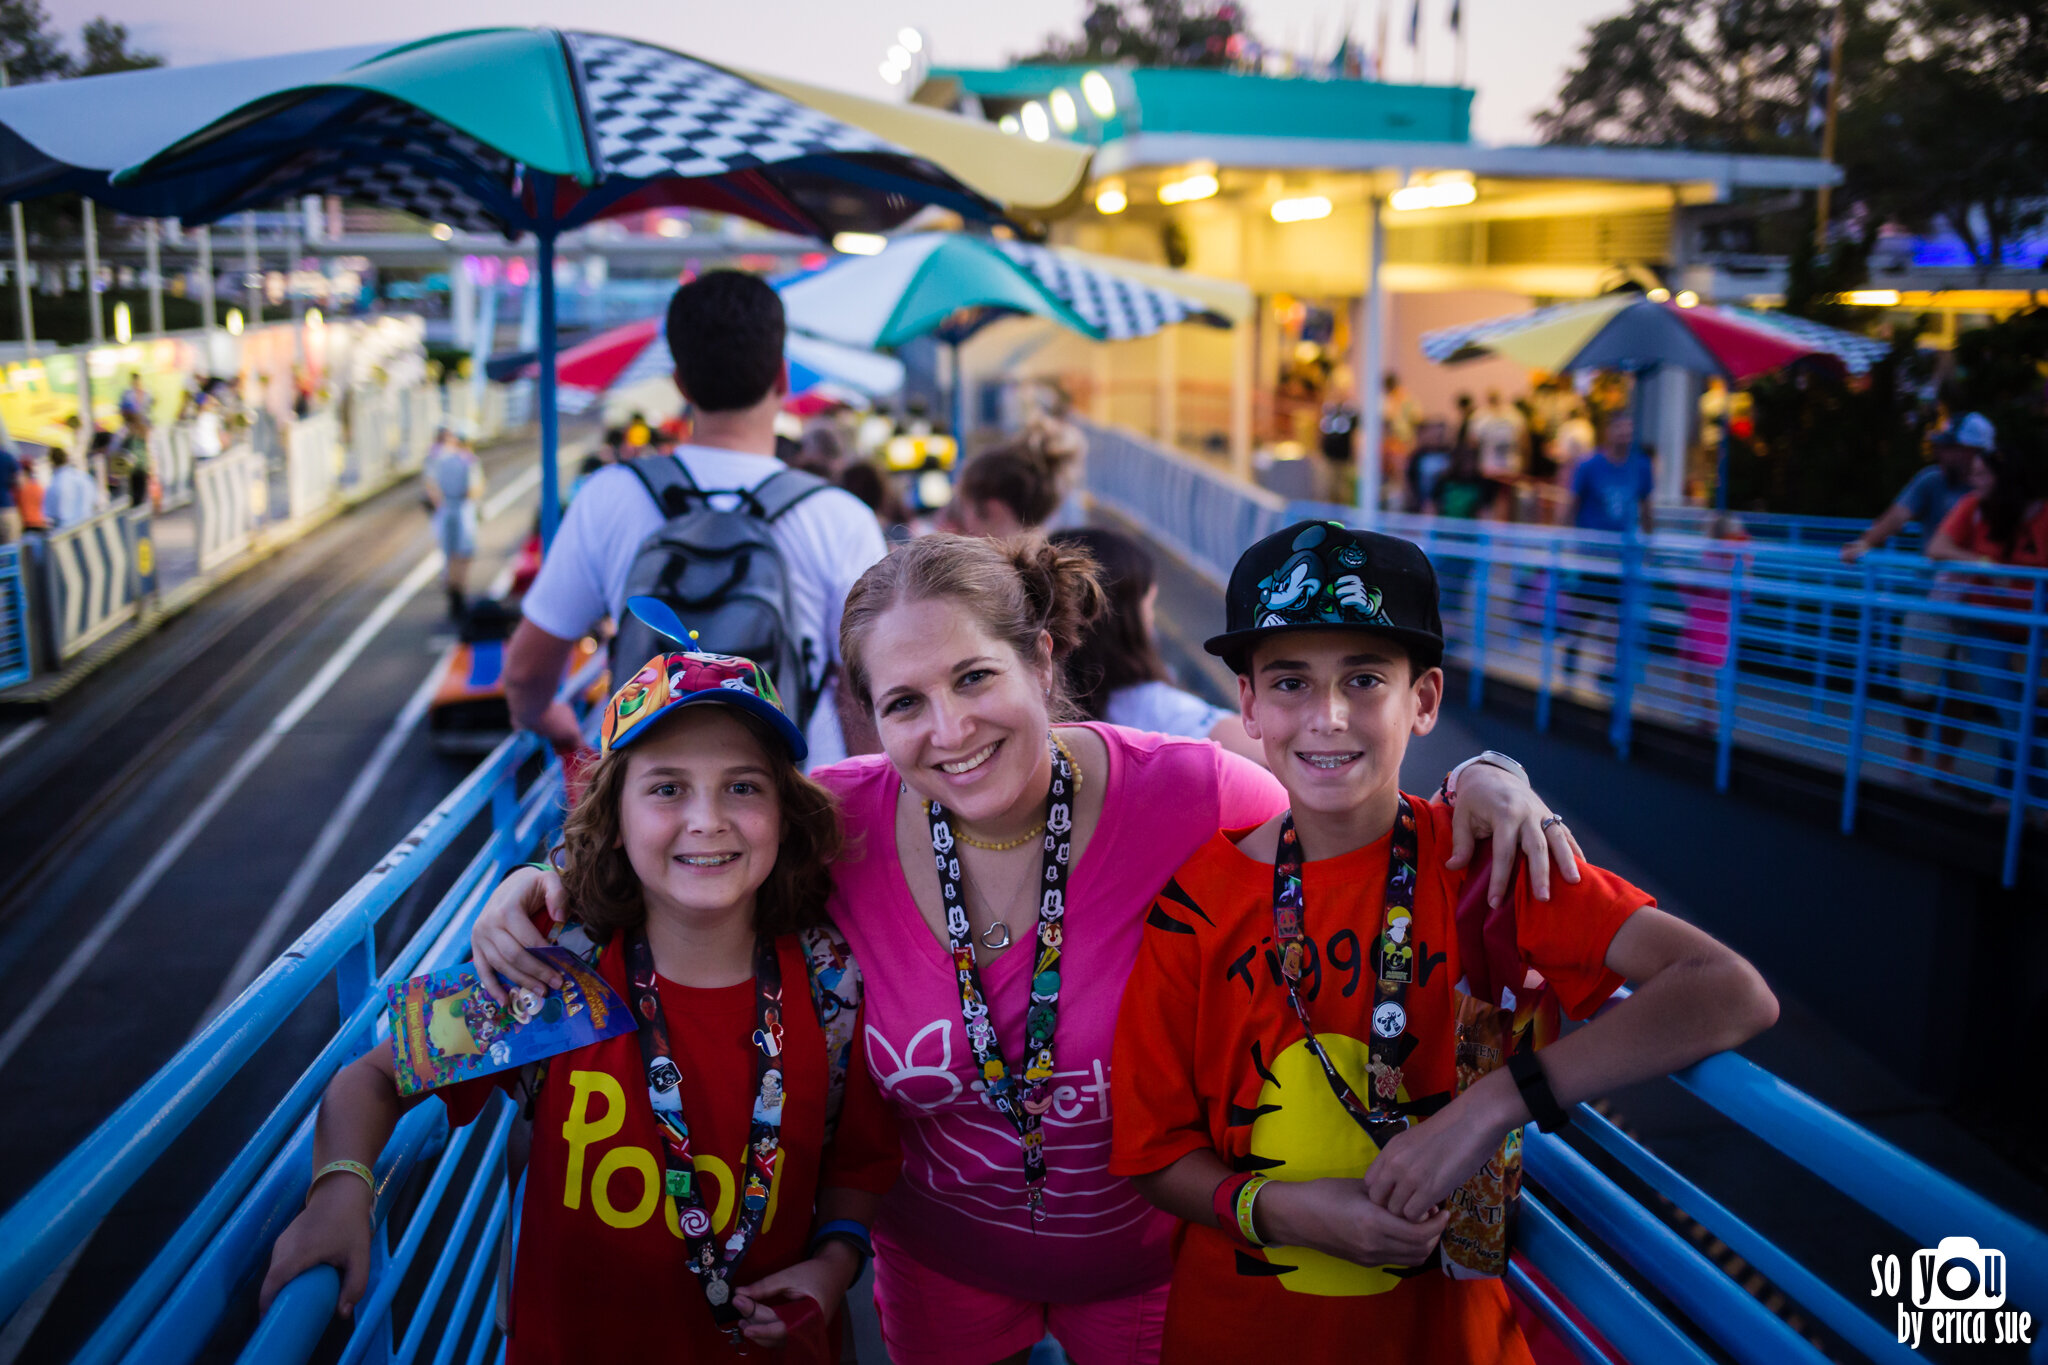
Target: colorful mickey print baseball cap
{"points": [[689, 677]]}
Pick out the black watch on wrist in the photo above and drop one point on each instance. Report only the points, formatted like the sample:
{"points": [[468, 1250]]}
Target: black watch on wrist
{"points": [[1534, 1086]]}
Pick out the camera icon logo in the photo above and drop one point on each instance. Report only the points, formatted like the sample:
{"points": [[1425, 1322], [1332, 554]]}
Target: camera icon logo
{"points": [[1958, 1274]]}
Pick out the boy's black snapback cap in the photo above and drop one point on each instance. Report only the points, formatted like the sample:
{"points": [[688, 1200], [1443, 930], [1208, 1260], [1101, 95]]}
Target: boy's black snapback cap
{"points": [[1322, 575]]}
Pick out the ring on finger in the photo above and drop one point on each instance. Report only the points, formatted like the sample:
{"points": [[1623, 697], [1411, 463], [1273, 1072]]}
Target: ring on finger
{"points": [[1550, 820]]}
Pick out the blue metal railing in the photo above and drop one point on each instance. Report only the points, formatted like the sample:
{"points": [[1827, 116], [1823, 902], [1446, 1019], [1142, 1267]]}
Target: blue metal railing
{"points": [[1893, 670], [172, 1309], [16, 657]]}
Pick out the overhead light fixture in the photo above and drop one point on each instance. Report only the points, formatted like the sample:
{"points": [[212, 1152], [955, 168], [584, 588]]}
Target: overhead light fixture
{"points": [[1111, 197], [899, 55], [1658, 295], [1446, 190], [1872, 298], [1008, 123], [672, 227], [1201, 185], [315, 318], [1687, 299], [442, 232], [234, 322], [1300, 210], [911, 39], [891, 74], [1101, 97], [860, 243], [124, 326], [1064, 115], [1036, 125]]}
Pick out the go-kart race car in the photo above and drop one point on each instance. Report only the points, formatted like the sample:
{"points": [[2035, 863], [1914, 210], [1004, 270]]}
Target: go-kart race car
{"points": [[468, 714]]}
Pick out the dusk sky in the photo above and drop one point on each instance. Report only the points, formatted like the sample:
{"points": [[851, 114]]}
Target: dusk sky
{"points": [[1518, 51]]}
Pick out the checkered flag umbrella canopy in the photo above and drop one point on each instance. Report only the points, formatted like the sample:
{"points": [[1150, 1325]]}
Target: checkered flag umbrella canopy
{"points": [[513, 131], [951, 285]]}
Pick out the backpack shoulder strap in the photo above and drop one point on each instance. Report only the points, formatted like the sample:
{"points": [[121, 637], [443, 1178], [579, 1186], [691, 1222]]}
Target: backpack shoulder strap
{"points": [[784, 489], [667, 482], [836, 995]]}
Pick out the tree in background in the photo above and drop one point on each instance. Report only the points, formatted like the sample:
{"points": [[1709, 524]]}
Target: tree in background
{"points": [[1147, 33], [32, 49], [1942, 123]]}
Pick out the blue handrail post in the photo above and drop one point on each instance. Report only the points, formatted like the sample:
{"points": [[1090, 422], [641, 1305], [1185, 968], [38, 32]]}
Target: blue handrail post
{"points": [[1475, 688], [1621, 721], [550, 421], [1852, 762], [1724, 740], [1550, 591], [2023, 753], [356, 973]]}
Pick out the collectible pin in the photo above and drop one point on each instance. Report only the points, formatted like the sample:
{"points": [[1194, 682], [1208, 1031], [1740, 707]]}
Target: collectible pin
{"points": [[695, 1222], [718, 1291], [1389, 1020], [525, 1005]]}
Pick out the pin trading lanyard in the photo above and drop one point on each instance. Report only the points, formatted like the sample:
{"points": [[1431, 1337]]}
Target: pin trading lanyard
{"points": [[1394, 956], [1023, 1105], [715, 1269]]}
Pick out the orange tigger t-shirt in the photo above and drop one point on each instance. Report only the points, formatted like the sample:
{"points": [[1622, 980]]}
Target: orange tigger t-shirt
{"points": [[1210, 1054]]}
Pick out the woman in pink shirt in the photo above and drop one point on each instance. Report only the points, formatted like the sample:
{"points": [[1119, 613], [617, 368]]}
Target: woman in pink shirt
{"points": [[996, 914]]}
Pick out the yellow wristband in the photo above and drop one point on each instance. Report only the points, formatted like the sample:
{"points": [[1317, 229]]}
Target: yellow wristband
{"points": [[1245, 1196], [352, 1167]]}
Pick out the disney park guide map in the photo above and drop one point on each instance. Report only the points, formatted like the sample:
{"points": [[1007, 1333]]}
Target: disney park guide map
{"points": [[446, 1028]]}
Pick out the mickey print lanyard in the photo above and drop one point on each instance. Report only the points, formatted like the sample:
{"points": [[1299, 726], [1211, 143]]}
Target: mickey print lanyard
{"points": [[1393, 954], [1023, 1105], [715, 1269]]}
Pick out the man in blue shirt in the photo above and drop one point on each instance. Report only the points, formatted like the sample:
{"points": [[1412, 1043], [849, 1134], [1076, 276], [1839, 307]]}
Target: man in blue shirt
{"points": [[1611, 490], [1931, 494]]}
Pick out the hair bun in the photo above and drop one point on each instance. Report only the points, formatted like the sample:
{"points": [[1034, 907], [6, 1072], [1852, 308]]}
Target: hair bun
{"points": [[1062, 584]]}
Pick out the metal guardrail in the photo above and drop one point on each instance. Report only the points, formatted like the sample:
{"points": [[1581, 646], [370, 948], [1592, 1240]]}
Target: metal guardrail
{"points": [[90, 582], [16, 652], [1894, 670], [233, 497]]}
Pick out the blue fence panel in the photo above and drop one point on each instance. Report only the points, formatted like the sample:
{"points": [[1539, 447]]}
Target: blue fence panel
{"points": [[16, 654]]}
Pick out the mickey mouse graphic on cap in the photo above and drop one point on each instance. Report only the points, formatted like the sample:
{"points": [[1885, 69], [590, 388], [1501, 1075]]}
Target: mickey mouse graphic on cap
{"points": [[1308, 589], [1323, 575]]}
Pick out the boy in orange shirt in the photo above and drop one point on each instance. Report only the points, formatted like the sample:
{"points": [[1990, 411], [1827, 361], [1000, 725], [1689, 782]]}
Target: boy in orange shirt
{"points": [[1287, 1066]]}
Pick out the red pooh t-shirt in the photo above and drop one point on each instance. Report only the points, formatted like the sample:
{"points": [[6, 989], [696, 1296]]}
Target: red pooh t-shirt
{"points": [[601, 1270]]}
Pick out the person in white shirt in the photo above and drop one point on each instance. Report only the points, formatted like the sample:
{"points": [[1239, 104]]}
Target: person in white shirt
{"points": [[1501, 435], [1116, 675], [725, 332], [71, 496]]}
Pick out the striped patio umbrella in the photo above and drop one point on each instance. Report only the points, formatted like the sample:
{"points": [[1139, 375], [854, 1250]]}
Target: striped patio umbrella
{"points": [[636, 356], [512, 130], [1639, 334], [1632, 332]]}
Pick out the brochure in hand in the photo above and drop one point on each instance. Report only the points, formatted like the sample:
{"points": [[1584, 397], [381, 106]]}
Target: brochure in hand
{"points": [[446, 1028]]}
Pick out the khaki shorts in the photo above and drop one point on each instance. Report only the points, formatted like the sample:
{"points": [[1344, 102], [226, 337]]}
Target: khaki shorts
{"points": [[1926, 645]]}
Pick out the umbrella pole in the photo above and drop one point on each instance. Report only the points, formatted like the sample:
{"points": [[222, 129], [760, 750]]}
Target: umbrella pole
{"points": [[959, 409], [1721, 465], [550, 433]]}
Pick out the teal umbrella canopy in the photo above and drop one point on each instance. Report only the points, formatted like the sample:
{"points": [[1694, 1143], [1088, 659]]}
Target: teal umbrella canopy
{"points": [[951, 285]]}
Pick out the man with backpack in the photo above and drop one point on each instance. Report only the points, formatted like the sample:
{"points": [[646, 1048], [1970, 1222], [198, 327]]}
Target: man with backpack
{"points": [[753, 556]]}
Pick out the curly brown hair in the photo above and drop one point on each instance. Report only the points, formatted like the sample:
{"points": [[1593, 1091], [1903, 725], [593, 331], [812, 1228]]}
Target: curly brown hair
{"points": [[604, 892]]}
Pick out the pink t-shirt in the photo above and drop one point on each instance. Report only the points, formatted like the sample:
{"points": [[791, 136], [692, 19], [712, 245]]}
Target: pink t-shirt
{"points": [[959, 1206]]}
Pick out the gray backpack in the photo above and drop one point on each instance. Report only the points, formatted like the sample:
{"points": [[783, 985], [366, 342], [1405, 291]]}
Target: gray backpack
{"points": [[722, 573]]}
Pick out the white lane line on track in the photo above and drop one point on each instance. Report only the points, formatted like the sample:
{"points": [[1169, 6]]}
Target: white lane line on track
{"points": [[22, 735], [256, 956], [90, 947]]}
